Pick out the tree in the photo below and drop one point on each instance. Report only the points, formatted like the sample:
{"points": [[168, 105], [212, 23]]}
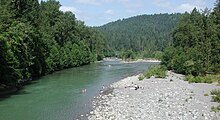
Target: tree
{"points": [[195, 44], [37, 39], [9, 67], [144, 34]]}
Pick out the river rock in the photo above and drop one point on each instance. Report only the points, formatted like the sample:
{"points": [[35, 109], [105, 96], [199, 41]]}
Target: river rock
{"points": [[160, 100]]}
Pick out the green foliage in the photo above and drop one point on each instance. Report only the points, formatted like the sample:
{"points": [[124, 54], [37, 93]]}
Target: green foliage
{"points": [[144, 35], [195, 50], [156, 71], [9, 68], [141, 77], [215, 109], [128, 55], [200, 79], [217, 93], [216, 98], [37, 39], [158, 55]]}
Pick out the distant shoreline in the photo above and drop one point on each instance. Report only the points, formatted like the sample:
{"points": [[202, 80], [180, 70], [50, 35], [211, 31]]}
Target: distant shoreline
{"points": [[142, 60], [132, 61]]}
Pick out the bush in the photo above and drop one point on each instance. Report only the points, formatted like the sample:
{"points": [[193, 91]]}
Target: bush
{"points": [[141, 77], [216, 98], [128, 55], [157, 71], [189, 78], [200, 79], [215, 109], [217, 79]]}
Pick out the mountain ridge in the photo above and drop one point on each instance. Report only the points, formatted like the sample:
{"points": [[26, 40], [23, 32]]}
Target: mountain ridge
{"points": [[142, 33]]}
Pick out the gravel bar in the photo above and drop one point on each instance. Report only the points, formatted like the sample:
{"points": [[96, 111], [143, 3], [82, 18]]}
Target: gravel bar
{"points": [[155, 99]]}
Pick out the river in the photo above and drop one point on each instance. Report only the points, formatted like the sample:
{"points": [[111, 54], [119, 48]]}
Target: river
{"points": [[58, 96]]}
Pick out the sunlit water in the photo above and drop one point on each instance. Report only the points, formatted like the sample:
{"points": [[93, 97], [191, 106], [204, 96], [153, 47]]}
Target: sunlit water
{"points": [[58, 96]]}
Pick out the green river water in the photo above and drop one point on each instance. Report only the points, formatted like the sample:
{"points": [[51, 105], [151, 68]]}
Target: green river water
{"points": [[58, 96]]}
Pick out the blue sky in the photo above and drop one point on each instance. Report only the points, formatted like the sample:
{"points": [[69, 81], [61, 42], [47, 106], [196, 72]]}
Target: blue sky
{"points": [[99, 12]]}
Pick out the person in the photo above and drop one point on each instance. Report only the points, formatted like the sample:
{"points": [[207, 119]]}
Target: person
{"points": [[136, 87], [83, 91]]}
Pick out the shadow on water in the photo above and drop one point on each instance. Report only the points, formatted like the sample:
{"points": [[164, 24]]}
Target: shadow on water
{"points": [[16, 91], [59, 96]]}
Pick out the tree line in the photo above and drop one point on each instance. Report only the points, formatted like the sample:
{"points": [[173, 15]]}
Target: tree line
{"points": [[139, 36], [195, 48], [38, 38]]}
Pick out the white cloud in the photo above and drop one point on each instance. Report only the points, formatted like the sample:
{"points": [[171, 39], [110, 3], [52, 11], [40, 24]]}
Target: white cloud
{"points": [[96, 12], [162, 3], [186, 7], [91, 2], [111, 12], [189, 5], [79, 14], [66, 8]]}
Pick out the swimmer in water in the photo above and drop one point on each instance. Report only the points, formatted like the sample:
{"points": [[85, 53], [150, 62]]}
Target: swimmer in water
{"points": [[83, 91]]}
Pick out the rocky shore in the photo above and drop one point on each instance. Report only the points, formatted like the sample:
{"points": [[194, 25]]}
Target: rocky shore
{"points": [[142, 60], [132, 61], [155, 99]]}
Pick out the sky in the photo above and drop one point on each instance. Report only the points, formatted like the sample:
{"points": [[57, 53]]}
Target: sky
{"points": [[99, 12]]}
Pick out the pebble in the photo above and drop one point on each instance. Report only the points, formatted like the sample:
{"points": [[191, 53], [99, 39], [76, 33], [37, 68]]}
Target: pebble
{"points": [[161, 100]]}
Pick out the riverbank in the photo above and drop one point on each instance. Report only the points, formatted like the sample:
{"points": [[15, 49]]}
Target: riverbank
{"points": [[156, 99], [142, 60], [132, 61]]}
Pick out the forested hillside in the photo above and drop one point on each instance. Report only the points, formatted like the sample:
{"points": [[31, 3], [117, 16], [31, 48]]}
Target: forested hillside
{"points": [[196, 48], [144, 35], [37, 39]]}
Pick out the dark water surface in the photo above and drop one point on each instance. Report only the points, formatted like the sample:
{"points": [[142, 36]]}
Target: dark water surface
{"points": [[58, 96]]}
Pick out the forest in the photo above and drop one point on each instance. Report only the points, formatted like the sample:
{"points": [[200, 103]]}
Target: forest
{"points": [[188, 43], [196, 43], [141, 36], [38, 38]]}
